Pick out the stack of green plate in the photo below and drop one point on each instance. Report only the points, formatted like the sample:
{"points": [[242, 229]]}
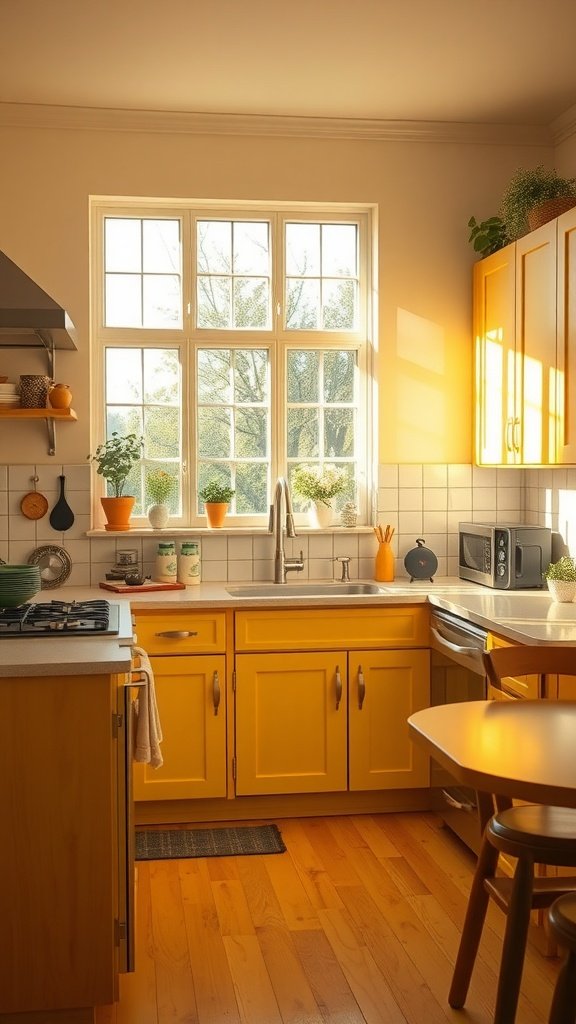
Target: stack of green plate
{"points": [[18, 583]]}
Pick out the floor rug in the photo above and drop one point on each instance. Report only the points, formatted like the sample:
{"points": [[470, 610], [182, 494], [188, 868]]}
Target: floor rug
{"points": [[168, 844]]}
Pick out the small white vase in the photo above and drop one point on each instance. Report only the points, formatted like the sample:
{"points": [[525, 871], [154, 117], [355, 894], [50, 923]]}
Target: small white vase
{"points": [[320, 515], [563, 591], [158, 516]]}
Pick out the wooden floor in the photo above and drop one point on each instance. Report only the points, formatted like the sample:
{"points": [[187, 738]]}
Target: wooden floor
{"points": [[357, 923]]}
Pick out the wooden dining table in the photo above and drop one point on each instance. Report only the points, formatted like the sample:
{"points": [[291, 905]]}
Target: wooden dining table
{"points": [[523, 749]]}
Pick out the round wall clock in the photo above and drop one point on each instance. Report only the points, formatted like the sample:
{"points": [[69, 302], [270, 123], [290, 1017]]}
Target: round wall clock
{"points": [[420, 562], [34, 505]]}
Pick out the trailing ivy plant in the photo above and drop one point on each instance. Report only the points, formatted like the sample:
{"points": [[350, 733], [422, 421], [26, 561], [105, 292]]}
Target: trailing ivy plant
{"points": [[488, 236]]}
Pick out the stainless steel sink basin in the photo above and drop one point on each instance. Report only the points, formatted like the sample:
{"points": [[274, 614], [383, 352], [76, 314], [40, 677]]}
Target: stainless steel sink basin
{"points": [[290, 590]]}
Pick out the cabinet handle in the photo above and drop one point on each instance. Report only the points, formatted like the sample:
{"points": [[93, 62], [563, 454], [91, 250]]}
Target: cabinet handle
{"points": [[216, 692], [338, 687], [509, 428], [177, 634], [516, 435], [361, 688]]}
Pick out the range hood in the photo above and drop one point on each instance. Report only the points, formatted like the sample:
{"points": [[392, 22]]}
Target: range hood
{"points": [[28, 316]]}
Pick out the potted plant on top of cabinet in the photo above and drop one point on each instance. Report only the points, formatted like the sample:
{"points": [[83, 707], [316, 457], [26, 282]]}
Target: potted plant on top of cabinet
{"points": [[533, 197], [216, 497], [115, 459]]}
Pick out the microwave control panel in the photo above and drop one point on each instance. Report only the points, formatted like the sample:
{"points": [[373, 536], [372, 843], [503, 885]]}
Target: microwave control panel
{"points": [[501, 552]]}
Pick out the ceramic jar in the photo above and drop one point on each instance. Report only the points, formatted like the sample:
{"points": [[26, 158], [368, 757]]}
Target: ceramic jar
{"points": [[158, 516], [60, 396], [189, 564], [165, 564], [34, 388]]}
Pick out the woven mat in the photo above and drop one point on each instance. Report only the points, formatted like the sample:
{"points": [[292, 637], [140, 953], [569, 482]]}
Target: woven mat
{"points": [[169, 844]]}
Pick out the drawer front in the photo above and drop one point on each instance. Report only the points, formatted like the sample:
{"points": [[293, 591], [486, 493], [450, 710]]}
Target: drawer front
{"points": [[331, 629], [185, 632]]}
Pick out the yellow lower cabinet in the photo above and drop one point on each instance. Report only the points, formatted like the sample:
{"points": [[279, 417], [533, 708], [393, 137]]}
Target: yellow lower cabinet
{"points": [[190, 692], [291, 722], [385, 687]]}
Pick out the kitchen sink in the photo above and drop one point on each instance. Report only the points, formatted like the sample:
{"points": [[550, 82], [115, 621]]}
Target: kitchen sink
{"points": [[308, 590]]}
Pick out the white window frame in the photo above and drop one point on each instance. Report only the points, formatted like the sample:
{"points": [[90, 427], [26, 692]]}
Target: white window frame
{"points": [[279, 341]]}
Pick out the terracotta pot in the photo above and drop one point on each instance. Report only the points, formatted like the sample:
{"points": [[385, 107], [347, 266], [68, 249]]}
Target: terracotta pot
{"points": [[60, 396], [216, 513], [118, 512]]}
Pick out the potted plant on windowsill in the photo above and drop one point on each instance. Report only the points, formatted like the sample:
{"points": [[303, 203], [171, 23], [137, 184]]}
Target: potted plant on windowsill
{"points": [[216, 497], [319, 485], [115, 459], [561, 579], [160, 486]]}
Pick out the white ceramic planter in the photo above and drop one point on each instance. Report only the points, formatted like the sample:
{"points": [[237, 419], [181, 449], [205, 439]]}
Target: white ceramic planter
{"points": [[158, 516], [320, 515], [563, 591]]}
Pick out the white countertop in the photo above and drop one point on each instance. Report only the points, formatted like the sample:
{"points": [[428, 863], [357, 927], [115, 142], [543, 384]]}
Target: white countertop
{"points": [[522, 616]]}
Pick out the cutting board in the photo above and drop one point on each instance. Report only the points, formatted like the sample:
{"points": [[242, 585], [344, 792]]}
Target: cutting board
{"points": [[118, 587]]}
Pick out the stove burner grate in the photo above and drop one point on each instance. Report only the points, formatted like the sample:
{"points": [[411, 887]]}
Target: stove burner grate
{"points": [[58, 617]]}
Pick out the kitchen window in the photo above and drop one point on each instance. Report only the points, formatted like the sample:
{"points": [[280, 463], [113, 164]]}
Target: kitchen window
{"points": [[237, 343]]}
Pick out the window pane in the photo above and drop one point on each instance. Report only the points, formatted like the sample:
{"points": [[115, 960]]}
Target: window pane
{"points": [[303, 432], [339, 370], [214, 433], [339, 305], [302, 249], [214, 247], [214, 294], [252, 489], [122, 244], [161, 432], [251, 248], [214, 375], [339, 433], [162, 302], [251, 302], [303, 376], [302, 305], [251, 376], [123, 300], [161, 246], [251, 433], [123, 375], [161, 376], [339, 250]]}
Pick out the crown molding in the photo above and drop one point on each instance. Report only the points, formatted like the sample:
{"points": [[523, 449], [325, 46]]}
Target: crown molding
{"points": [[28, 115], [564, 127]]}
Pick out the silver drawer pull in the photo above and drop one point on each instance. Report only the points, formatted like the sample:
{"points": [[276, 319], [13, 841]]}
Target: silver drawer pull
{"points": [[177, 634]]}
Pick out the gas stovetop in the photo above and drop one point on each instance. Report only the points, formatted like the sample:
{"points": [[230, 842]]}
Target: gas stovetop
{"points": [[60, 618]]}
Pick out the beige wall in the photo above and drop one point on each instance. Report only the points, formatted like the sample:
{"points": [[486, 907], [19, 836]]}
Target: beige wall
{"points": [[424, 192]]}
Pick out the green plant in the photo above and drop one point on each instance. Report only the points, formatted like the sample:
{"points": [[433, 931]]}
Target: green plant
{"points": [[563, 569], [488, 236], [160, 485], [317, 483], [527, 189], [115, 458], [216, 493]]}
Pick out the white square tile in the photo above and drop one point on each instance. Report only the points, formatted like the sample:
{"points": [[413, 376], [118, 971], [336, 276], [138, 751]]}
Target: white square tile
{"points": [[410, 476], [79, 576], [488, 515], [459, 475], [410, 522], [320, 569], [346, 545], [367, 546], [263, 572], [78, 478], [435, 522], [435, 476], [483, 498], [215, 571], [483, 477], [22, 529], [79, 550], [4, 503], [239, 548], [366, 568], [437, 542], [240, 569], [20, 478], [387, 499], [79, 527], [19, 551], [3, 478], [455, 518], [460, 499], [509, 476], [388, 475], [435, 499], [263, 546], [214, 549], [320, 547], [410, 499], [3, 527], [46, 534], [508, 498]]}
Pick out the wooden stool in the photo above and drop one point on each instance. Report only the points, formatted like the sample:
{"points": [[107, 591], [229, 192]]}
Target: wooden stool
{"points": [[562, 917]]}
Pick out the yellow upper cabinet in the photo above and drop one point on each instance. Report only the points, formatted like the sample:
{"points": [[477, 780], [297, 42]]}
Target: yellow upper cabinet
{"points": [[566, 348], [515, 352]]}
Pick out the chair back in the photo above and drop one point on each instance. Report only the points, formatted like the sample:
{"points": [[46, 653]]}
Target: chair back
{"points": [[537, 659]]}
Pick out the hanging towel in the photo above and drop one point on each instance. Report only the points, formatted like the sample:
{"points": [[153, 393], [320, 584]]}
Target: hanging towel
{"points": [[147, 730]]}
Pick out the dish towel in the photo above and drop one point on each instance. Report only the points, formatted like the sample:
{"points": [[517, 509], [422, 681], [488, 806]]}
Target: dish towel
{"points": [[147, 728]]}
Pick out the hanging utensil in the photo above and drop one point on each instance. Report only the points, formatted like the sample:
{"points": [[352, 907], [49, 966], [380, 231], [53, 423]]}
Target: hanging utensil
{"points": [[34, 505], [61, 516]]}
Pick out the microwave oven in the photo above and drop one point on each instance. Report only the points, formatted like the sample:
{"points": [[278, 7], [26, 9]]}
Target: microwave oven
{"points": [[506, 556]]}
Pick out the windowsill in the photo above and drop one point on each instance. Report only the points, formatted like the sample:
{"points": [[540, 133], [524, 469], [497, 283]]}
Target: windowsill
{"points": [[202, 531]]}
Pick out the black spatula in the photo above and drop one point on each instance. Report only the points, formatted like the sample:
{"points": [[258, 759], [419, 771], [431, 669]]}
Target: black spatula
{"points": [[61, 516]]}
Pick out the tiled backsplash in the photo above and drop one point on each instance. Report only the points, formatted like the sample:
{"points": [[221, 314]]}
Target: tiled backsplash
{"points": [[417, 500]]}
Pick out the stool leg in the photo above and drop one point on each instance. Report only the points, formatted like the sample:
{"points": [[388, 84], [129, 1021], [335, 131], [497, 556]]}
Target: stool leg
{"points": [[473, 924], [514, 948], [563, 1009]]}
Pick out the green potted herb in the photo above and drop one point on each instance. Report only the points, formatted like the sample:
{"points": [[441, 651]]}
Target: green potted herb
{"points": [[534, 197], [488, 236], [115, 459], [561, 579], [216, 497], [319, 485], [160, 486]]}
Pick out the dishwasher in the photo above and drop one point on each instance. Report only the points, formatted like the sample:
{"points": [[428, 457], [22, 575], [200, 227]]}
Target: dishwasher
{"points": [[456, 674]]}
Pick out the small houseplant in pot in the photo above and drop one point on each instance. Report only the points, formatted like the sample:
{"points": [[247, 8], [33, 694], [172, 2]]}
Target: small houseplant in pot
{"points": [[534, 197], [160, 486], [115, 459], [488, 236], [318, 485], [561, 579], [216, 497]]}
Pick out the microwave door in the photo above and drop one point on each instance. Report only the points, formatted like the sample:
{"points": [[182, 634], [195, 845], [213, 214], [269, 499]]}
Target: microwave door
{"points": [[528, 566]]}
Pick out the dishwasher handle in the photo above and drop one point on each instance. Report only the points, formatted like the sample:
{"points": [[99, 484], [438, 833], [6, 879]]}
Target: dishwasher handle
{"points": [[471, 654]]}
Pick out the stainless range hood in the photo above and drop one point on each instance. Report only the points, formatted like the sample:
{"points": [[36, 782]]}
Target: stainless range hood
{"points": [[28, 316]]}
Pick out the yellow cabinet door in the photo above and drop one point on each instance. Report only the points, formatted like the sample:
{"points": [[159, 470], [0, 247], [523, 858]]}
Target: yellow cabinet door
{"points": [[566, 338], [291, 725], [494, 342], [194, 746], [385, 687]]}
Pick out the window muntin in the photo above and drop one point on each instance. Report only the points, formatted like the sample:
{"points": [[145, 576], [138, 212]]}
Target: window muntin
{"points": [[142, 272], [233, 275], [322, 276]]}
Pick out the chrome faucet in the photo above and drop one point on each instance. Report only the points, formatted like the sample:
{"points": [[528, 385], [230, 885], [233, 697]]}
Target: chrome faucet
{"points": [[345, 560], [282, 565]]}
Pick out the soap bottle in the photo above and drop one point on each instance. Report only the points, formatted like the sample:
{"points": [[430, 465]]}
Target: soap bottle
{"points": [[189, 563], [165, 565]]}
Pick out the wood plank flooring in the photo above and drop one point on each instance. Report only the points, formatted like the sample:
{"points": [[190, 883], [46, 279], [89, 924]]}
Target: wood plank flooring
{"points": [[357, 923]]}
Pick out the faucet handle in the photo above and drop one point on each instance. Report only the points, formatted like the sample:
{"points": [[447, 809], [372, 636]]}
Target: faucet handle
{"points": [[345, 559]]}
